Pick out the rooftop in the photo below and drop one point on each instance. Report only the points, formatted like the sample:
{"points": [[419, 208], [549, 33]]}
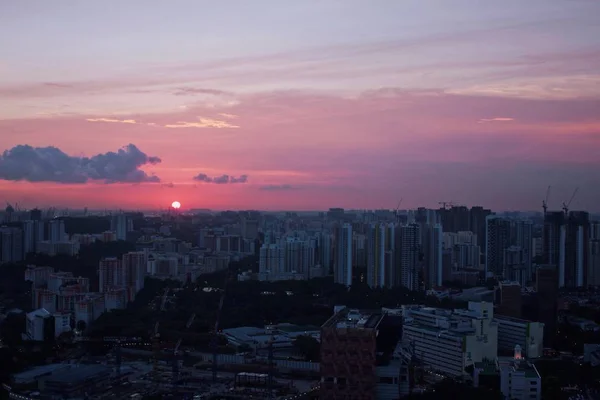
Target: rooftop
{"points": [[79, 373], [35, 373], [355, 319], [523, 366]]}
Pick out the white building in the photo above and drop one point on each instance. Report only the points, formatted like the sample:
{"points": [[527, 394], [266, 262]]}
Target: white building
{"points": [[528, 335], [519, 379], [40, 324], [449, 341]]}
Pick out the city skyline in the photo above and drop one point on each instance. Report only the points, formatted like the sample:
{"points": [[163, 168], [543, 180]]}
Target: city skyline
{"points": [[300, 106]]}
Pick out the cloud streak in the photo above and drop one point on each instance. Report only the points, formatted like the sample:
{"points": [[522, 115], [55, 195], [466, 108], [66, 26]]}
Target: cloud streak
{"points": [[50, 164], [497, 119], [221, 180], [203, 123], [281, 187], [118, 121]]}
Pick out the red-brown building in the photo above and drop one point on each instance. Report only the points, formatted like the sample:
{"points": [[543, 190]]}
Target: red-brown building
{"points": [[348, 355]]}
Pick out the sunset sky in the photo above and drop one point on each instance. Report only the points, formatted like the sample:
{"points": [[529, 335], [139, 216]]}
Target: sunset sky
{"points": [[271, 104]]}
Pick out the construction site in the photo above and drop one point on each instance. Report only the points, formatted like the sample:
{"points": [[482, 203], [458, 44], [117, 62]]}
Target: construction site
{"points": [[150, 368]]}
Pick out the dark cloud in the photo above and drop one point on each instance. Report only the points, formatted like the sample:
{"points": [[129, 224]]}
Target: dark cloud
{"points": [[190, 91], [277, 187], [221, 180], [50, 164]]}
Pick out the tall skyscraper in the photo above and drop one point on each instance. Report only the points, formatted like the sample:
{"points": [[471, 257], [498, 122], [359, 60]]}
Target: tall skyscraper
{"points": [[576, 250], [271, 260], [506, 237], [56, 231], [432, 252], [111, 274], [342, 270], [376, 249], [593, 275], [554, 238], [567, 246], [408, 250], [324, 251], [135, 264], [121, 224], [299, 256], [11, 245]]}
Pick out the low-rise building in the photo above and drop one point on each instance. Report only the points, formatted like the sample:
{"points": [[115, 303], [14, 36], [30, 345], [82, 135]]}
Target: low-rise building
{"points": [[515, 331], [449, 341]]}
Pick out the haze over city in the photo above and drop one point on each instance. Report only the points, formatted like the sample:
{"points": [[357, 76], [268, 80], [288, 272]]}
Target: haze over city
{"points": [[299, 105]]}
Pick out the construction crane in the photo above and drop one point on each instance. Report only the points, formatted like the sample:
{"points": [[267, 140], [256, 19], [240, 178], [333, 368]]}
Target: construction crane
{"points": [[215, 339], [271, 367], [566, 205], [175, 375], [545, 201], [156, 335], [398, 206]]}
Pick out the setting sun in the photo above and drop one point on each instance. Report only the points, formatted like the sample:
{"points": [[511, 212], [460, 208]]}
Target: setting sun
{"points": [[176, 205]]}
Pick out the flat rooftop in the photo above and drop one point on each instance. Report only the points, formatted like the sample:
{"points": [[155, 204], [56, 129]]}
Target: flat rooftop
{"points": [[79, 373], [354, 319], [524, 366]]}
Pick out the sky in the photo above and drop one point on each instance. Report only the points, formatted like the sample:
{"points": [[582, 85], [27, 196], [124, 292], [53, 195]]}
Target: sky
{"points": [[303, 105]]}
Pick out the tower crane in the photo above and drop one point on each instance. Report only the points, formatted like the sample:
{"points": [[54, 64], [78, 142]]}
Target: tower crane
{"points": [[215, 340], [156, 335], [566, 205], [545, 201], [398, 206], [175, 374]]}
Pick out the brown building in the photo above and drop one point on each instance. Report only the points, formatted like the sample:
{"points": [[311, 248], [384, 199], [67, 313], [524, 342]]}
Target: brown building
{"points": [[348, 355], [547, 296], [509, 299]]}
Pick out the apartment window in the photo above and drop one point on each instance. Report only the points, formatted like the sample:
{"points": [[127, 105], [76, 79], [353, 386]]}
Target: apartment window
{"points": [[533, 389], [386, 379]]}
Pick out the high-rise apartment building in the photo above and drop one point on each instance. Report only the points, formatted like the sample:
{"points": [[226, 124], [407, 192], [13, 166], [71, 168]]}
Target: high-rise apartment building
{"points": [[325, 250], [408, 254], [135, 264], [121, 224], [576, 250], [432, 255], [56, 231], [342, 270], [554, 238], [271, 260], [376, 249], [593, 274], [299, 256], [11, 245], [514, 236], [111, 274]]}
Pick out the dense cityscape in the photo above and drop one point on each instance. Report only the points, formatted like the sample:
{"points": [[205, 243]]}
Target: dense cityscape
{"points": [[300, 200], [373, 304]]}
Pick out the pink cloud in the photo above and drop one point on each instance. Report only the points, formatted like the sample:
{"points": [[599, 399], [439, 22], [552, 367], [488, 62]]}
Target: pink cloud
{"points": [[362, 151]]}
